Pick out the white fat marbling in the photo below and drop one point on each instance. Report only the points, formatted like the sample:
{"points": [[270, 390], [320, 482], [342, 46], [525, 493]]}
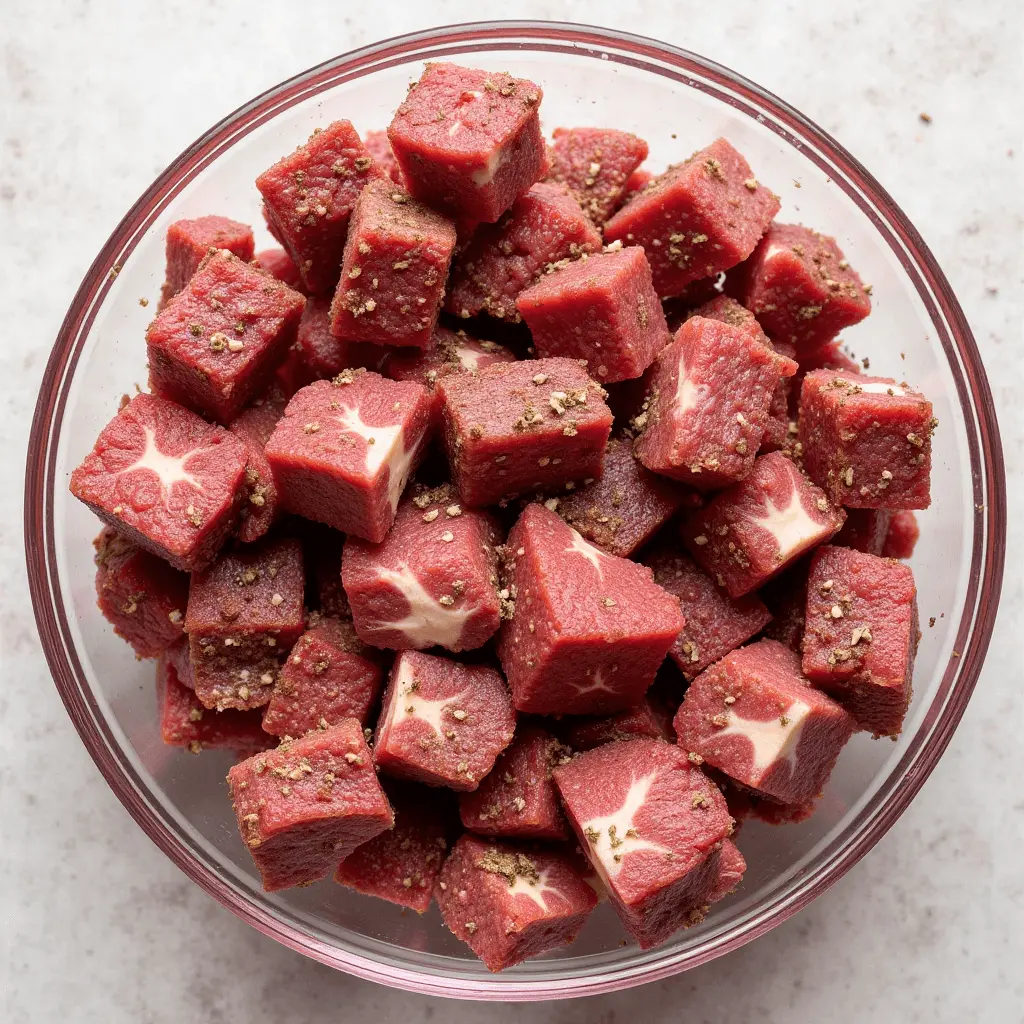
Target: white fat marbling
{"points": [[408, 703], [773, 740], [687, 393], [169, 469], [427, 622], [534, 888], [468, 357], [485, 175], [877, 387], [594, 555], [791, 525], [385, 446]]}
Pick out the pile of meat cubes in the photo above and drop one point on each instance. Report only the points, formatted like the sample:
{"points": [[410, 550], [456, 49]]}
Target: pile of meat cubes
{"points": [[504, 595]]}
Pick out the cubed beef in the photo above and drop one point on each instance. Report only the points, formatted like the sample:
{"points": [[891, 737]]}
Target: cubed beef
{"points": [[253, 427], [901, 538], [189, 241]]}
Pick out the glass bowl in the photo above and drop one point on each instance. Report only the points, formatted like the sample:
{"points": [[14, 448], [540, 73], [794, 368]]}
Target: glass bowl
{"points": [[678, 102]]}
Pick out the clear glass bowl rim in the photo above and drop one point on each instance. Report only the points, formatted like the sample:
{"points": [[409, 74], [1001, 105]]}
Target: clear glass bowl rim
{"points": [[973, 631]]}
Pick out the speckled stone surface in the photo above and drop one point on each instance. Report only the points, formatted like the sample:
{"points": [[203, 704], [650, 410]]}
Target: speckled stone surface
{"points": [[97, 96]]}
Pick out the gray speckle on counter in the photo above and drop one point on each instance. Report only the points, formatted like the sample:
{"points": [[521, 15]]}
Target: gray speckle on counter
{"points": [[98, 925]]}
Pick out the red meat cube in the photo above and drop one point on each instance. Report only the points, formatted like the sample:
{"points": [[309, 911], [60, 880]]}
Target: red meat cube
{"points": [[861, 635], [277, 263], [780, 431], [715, 624], [379, 147], [901, 538], [244, 613], [602, 309], [801, 288], [523, 426], [647, 719], [753, 716], [785, 596], [393, 271], [627, 506], [865, 530], [653, 827], [867, 441], [307, 805], [732, 866], [508, 903], [140, 595], [543, 228], [216, 344], [189, 241], [253, 427], [330, 675], [308, 198], [635, 183], [727, 310], [469, 141], [518, 799], [403, 864], [345, 448], [586, 630], [596, 163], [754, 529], [700, 217], [322, 354], [432, 581], [443, 723], [691, 427], [165, 479]]}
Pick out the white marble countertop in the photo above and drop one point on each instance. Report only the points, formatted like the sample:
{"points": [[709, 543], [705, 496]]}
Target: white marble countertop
{"points": [[97, 96]]}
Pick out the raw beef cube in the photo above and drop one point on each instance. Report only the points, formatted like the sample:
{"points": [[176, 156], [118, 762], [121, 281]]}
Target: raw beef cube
{"points": [[653, 827], [828, 357], [165, 479], [308, 199], [692, 427], [508, 903], [647, 719], [865, 530], [185, 722], [393, 271], [732, 866], [780, 431], [216, 344], [861, 635], [328, 676], [785, 596], [293, 374], [596, 163], [801, 288], [432, 581], [403, 864], [518, 798], [443, 723], [753, 716], [902, 536], [308, 804], [244, 613], [700, 217], [543, 228], [277, 263], [253, 427], [715, 624], [867, 441], [326, 356], [530, 425], [601, 308], [469, 141], [728, 311], [189, 241], [635, 183], [140, 595], [379, 147], [586, 630], [627, 506], [345, 448], [756, 527]]}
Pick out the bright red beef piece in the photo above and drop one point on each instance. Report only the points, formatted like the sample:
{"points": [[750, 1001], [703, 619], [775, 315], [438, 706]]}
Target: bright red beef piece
{"points": [[865, 530], [635, 183], [322, 354], [653, 827], [379, 147], [189, 242], [443, 723], [692, 428], [403, 864], [715, 623], [588, 630], [902, 536], [216, 345], [728, 311], [861, 635], [603, 309], [307, 805], [700, 217], [801, 288], [596, 163], [754, 529], [253, 427], [732, 866], [432, 581], [244, 613], [165, 479], [140, 595], [508, 903], [543, 228], [531, 425], [867, 440], [308, 198], [785, 596], [328, 676], [469, 141], [627, 506], [518, 798], [393, 271], [649, 719], [277, 263], [345, 448]]}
